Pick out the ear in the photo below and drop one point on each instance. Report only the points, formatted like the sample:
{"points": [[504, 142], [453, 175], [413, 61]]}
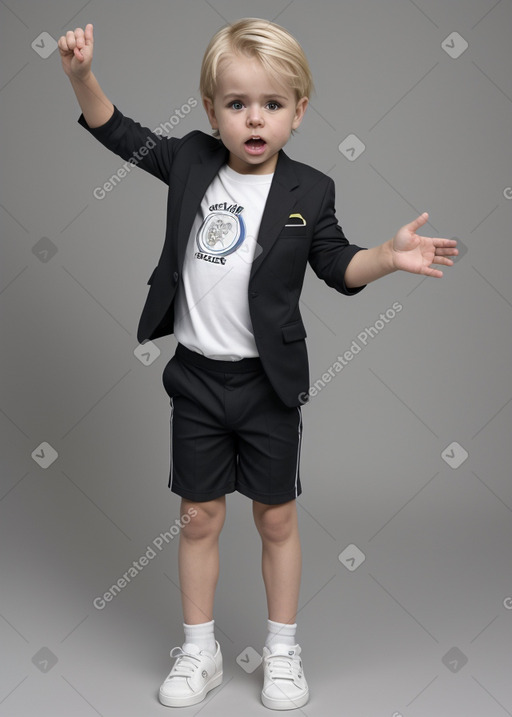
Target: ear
{"points": [[299, 111], [210, 111]]}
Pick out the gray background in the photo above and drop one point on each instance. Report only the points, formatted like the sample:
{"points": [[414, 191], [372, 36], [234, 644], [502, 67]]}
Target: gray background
{"points": [[389, 636]]}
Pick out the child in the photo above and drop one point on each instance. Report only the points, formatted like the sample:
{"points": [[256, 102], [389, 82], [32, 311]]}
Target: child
{"points": [[243, 221]]}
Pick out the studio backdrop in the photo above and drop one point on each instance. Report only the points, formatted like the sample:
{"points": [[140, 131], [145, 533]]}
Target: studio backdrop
{"points": [[406, 511]]}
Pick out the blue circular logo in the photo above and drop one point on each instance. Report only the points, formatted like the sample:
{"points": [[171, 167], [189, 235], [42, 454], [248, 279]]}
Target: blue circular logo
{"points": [[221, 233]]}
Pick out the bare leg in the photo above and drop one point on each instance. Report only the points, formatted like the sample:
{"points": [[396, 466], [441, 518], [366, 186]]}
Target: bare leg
{"points": [[198, 558], [281, 558]]}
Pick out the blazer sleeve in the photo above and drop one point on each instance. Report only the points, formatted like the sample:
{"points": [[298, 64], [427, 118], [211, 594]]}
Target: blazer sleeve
{"points": [[138, 145], [330, 251]]}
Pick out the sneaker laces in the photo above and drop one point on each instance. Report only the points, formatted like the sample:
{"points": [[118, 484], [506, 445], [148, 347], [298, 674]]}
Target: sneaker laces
{"points": [[186, 663], [282, 667]]}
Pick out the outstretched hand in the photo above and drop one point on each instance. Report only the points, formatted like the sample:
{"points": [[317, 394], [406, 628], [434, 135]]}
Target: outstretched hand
{"points": [[415, 253]]}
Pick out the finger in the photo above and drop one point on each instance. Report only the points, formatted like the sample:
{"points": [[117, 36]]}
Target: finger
{"points": [[429, 271], [446, 251], [441, 242], [80, 39], [442, 260], [418, 222], [80, 43], [70, 39], [89, 38], [62, 44]]}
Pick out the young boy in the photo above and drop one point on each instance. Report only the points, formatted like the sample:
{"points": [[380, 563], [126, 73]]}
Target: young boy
{"points": [[243, 221]]}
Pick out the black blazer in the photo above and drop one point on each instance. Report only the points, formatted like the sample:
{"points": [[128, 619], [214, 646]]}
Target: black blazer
{"points": [[188, 165]]}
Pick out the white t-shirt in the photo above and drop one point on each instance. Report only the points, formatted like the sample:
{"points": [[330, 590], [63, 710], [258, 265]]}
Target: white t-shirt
{"points": [[212, 306]]}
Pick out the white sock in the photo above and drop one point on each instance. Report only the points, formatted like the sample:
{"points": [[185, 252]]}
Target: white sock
{"points": [[280, 633], [201, 635]]}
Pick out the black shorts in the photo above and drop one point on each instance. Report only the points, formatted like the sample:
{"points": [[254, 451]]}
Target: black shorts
{"points": [[230, 431]]}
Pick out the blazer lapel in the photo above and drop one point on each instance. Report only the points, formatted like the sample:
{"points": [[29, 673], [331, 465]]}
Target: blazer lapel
{"points": [[280, 202]]}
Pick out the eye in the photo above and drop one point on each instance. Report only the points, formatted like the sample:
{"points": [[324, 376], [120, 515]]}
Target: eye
{"points": [[273, 106], [236, 105]]}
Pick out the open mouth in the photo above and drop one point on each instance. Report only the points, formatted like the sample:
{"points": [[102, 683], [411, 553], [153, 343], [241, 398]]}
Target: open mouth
{"points": [[255, 145]]}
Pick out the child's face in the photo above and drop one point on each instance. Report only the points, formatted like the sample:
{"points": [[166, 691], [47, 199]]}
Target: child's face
{"points": [[249, 104]]}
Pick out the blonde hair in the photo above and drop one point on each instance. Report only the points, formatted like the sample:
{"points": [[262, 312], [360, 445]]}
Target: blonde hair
{"points": [[276, 49]]}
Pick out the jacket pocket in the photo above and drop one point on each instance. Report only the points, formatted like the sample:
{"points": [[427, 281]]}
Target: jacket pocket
{"points": [[293, 332], [293, 232]]}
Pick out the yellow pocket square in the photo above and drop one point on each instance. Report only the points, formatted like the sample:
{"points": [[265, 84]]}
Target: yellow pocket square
{"points": [[296, 220]]}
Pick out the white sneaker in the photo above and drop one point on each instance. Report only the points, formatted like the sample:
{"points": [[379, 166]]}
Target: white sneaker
{"points": [[193, 675], [284, 684]]}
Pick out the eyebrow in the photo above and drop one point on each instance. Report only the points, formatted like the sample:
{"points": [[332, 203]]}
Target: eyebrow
{"points": [[243, 96]]}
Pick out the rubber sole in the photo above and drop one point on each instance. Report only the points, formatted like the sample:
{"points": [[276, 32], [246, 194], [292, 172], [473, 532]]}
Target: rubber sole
{"points": [[285, 704], [193, 699]]}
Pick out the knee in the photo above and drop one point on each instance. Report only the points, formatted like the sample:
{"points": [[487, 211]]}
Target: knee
{"points": [[275, 523], [206, 520]]}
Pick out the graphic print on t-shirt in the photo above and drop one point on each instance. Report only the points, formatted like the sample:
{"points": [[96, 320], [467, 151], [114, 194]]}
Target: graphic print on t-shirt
{"points": [[211, 314], [222, 232]]}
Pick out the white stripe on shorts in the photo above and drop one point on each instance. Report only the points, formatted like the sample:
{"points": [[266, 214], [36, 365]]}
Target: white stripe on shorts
{"points": [[298, 448], [172, 442]]}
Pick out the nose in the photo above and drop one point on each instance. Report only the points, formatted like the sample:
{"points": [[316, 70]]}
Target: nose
{"points": [[254, 116]]}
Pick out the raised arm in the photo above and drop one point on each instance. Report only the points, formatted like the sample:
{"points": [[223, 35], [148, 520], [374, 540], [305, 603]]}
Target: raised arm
{"points": [[137, 145], [76, 50]]}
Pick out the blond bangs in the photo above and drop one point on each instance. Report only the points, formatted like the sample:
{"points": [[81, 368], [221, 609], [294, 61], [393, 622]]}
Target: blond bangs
{"points": [[277, 50]]}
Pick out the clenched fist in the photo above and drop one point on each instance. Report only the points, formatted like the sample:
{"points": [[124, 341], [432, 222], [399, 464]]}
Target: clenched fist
{"points": [[76, 50]]}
